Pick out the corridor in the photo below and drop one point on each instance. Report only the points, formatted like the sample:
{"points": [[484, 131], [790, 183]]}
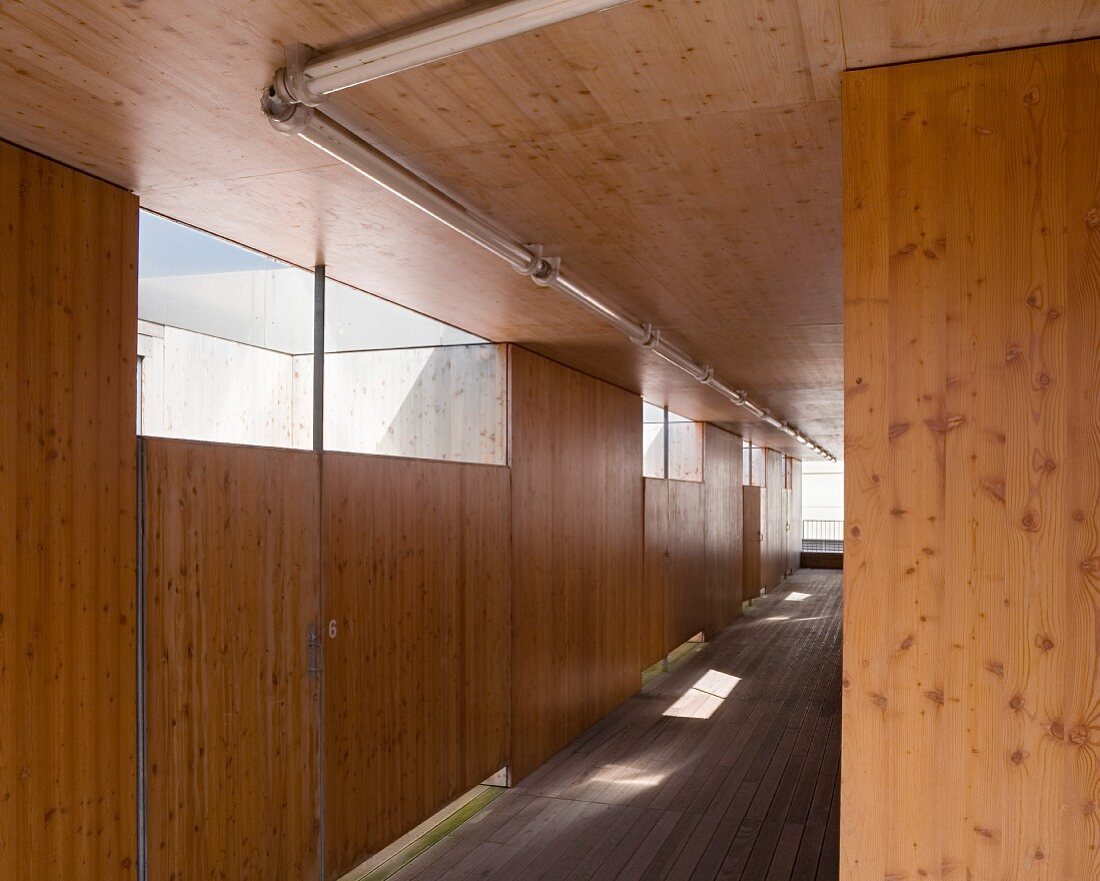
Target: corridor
{"points": [[727, 767]]}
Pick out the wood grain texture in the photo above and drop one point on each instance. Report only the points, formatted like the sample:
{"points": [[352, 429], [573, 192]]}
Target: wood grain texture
{"points": [[68, 321], [416, 579], [657, 572], [794, 516], [648, 145], [973, 468], [681, 783], [686, 594], [233, 720], [773, 550], [577, 522], [752, 540], [722, 472], [693, 550], [610, 136], [888, 31], [444, 402]]}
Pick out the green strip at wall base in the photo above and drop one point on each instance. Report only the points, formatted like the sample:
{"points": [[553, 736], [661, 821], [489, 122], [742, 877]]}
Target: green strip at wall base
{"points": [[431, 837]]}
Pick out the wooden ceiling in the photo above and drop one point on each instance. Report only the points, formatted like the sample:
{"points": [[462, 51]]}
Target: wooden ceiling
{"points": [[682, 156]]}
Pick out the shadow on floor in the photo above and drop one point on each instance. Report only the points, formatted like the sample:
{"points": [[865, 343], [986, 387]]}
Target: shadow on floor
{"points": [[727, 767]]}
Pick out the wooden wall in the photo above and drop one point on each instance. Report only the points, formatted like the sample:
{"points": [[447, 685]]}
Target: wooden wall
{"points": [[416, 578], [68, 728], [972, 343], [722, 474], [752, 545], [773, 551], [657, 567], [686, 606], [693, 550], [794, 516], [576, 551], [232, 585]]}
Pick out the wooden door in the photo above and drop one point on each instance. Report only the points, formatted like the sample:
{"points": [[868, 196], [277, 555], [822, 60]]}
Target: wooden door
{"points": [[753, 537], [416, 574], [233, 718], [788, 565]]}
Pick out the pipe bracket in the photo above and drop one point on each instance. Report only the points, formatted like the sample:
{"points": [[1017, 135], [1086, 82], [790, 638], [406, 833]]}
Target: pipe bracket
{"points": [[534, 264], [291, 80], [547, 271], [652, 337], [290, 119]]}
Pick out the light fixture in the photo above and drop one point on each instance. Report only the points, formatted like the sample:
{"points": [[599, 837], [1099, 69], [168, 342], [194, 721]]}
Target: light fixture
{"points": [[323, 74]]}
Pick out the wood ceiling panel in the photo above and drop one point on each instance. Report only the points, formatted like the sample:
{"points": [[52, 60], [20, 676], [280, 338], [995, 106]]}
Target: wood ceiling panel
{"points": [[640, 62], [887, 31], [682, 156], [662, 148], [725, 221]]}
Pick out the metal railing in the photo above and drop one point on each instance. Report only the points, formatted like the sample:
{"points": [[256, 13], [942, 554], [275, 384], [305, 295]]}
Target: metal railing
{"points": [[823, 536]]}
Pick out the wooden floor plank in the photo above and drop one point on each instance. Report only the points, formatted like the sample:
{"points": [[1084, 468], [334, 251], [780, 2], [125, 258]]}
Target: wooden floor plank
{"points": [[737, 787]]}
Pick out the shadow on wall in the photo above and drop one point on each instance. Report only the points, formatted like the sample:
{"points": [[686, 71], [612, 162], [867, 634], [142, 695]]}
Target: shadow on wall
{"points": [[445, 402]]}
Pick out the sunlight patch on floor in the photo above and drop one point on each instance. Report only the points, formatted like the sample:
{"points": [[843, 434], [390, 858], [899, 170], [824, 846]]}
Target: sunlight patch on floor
{"points": [[704, 697], [620, 776]]}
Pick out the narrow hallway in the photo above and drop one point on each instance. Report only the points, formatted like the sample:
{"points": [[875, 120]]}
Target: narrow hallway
{"points": [[727, 768]]}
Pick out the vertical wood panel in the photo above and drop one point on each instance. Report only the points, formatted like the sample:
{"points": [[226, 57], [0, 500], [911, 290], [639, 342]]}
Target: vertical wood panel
{"points": [[68, 322], [654, 641], [751, 545], [722, 474], [686, 594], [577, 522], [794, 517], [416, 575], [972, 345], [693, 548], [773, 551], [233, 714]]}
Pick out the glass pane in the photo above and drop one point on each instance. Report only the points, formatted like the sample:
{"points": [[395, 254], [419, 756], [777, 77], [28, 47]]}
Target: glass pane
{"points": [[653, 440], [401, 384], [225, 340]]}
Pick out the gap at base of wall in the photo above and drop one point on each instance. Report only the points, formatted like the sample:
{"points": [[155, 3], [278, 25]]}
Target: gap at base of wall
{"points": [[412, 844]]}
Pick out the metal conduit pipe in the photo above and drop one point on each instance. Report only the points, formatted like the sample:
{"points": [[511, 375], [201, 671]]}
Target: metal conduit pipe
{"points": [[430, 41], [289, 116], [324, 132]]}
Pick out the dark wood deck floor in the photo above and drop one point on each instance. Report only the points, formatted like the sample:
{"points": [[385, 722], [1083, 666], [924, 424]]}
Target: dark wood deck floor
{"points": [[726, 768]]}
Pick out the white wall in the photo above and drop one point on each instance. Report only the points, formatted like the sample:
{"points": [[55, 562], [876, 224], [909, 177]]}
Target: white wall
{"points": [[822, 490], [437, 403], [447, 403], [200, 387]]}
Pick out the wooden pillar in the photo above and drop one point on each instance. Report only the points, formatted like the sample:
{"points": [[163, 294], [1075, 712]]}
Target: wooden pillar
{"points": [[68, 332], [972, 347]]}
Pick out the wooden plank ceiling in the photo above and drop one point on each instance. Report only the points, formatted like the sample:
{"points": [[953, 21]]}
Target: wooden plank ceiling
{"points": [[683, 156]]}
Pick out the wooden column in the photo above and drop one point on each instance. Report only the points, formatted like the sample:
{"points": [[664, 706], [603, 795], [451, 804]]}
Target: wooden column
{"points": [[68, 331], [972, 345]]}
